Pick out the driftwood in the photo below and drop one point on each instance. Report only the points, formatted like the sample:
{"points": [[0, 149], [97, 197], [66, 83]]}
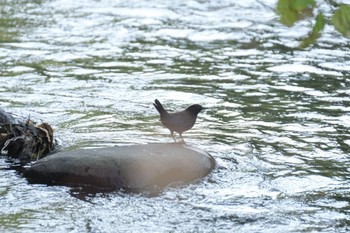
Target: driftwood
{"points": [[25, 141]]}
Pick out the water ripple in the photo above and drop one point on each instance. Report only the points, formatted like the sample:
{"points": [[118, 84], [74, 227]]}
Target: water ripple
{"points": [[277, 123]]}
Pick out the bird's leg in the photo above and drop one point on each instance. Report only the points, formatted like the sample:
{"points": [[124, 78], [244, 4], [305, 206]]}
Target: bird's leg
{"points": [[172, 134], [183, 141]]}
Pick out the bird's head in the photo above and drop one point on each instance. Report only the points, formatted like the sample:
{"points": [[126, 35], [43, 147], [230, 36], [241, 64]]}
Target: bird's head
{"points": [[195, 109]]}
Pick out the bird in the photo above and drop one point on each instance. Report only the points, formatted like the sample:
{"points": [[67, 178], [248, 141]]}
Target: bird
{"points": [[178, 121]]}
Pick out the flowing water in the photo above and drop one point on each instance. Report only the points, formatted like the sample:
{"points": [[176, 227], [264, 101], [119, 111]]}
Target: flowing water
{"points": [[278, 119]]}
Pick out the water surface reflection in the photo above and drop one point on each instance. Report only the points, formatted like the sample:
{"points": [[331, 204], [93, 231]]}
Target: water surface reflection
{"points": [[278, 123]]}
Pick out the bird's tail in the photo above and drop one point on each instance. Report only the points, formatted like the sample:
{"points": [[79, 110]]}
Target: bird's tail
{"points": [[159, 107]]}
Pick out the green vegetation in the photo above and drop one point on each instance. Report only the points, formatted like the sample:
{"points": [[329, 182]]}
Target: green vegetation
{"points": [[341, 20], [291, 11]]}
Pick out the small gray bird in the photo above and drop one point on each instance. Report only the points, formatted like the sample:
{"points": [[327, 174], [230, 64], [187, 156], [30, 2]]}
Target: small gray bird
{"points": [[178, 121]]}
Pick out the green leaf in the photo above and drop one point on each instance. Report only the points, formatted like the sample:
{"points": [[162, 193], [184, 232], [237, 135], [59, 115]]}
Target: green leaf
{"points": [[315, 33], [291, 11], [341, 20]]}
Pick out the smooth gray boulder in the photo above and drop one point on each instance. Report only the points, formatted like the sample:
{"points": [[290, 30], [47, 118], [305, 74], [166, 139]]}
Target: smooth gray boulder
{"points": [[134, 167]]}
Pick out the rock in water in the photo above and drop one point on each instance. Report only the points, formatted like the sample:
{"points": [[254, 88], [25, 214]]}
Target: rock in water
{"points": [[7, 118], [134, 167]]}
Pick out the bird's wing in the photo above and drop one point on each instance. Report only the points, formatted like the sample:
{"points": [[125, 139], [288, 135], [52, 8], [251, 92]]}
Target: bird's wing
{"points": [[179, 122]]}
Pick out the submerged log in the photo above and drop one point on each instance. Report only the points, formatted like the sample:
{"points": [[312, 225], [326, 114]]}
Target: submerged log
{"points": [[135, 167]]}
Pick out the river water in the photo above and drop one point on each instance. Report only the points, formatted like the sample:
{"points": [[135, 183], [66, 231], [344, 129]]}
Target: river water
{"points": [[277, 124]]}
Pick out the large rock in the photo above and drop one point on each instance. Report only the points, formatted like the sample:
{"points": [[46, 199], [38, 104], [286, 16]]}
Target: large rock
{"points": [[134, 167], [7, 118]]}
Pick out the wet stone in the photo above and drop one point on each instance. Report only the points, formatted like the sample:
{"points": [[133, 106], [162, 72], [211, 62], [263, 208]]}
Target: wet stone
{"points": [[134, 167], [7, 118]]}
